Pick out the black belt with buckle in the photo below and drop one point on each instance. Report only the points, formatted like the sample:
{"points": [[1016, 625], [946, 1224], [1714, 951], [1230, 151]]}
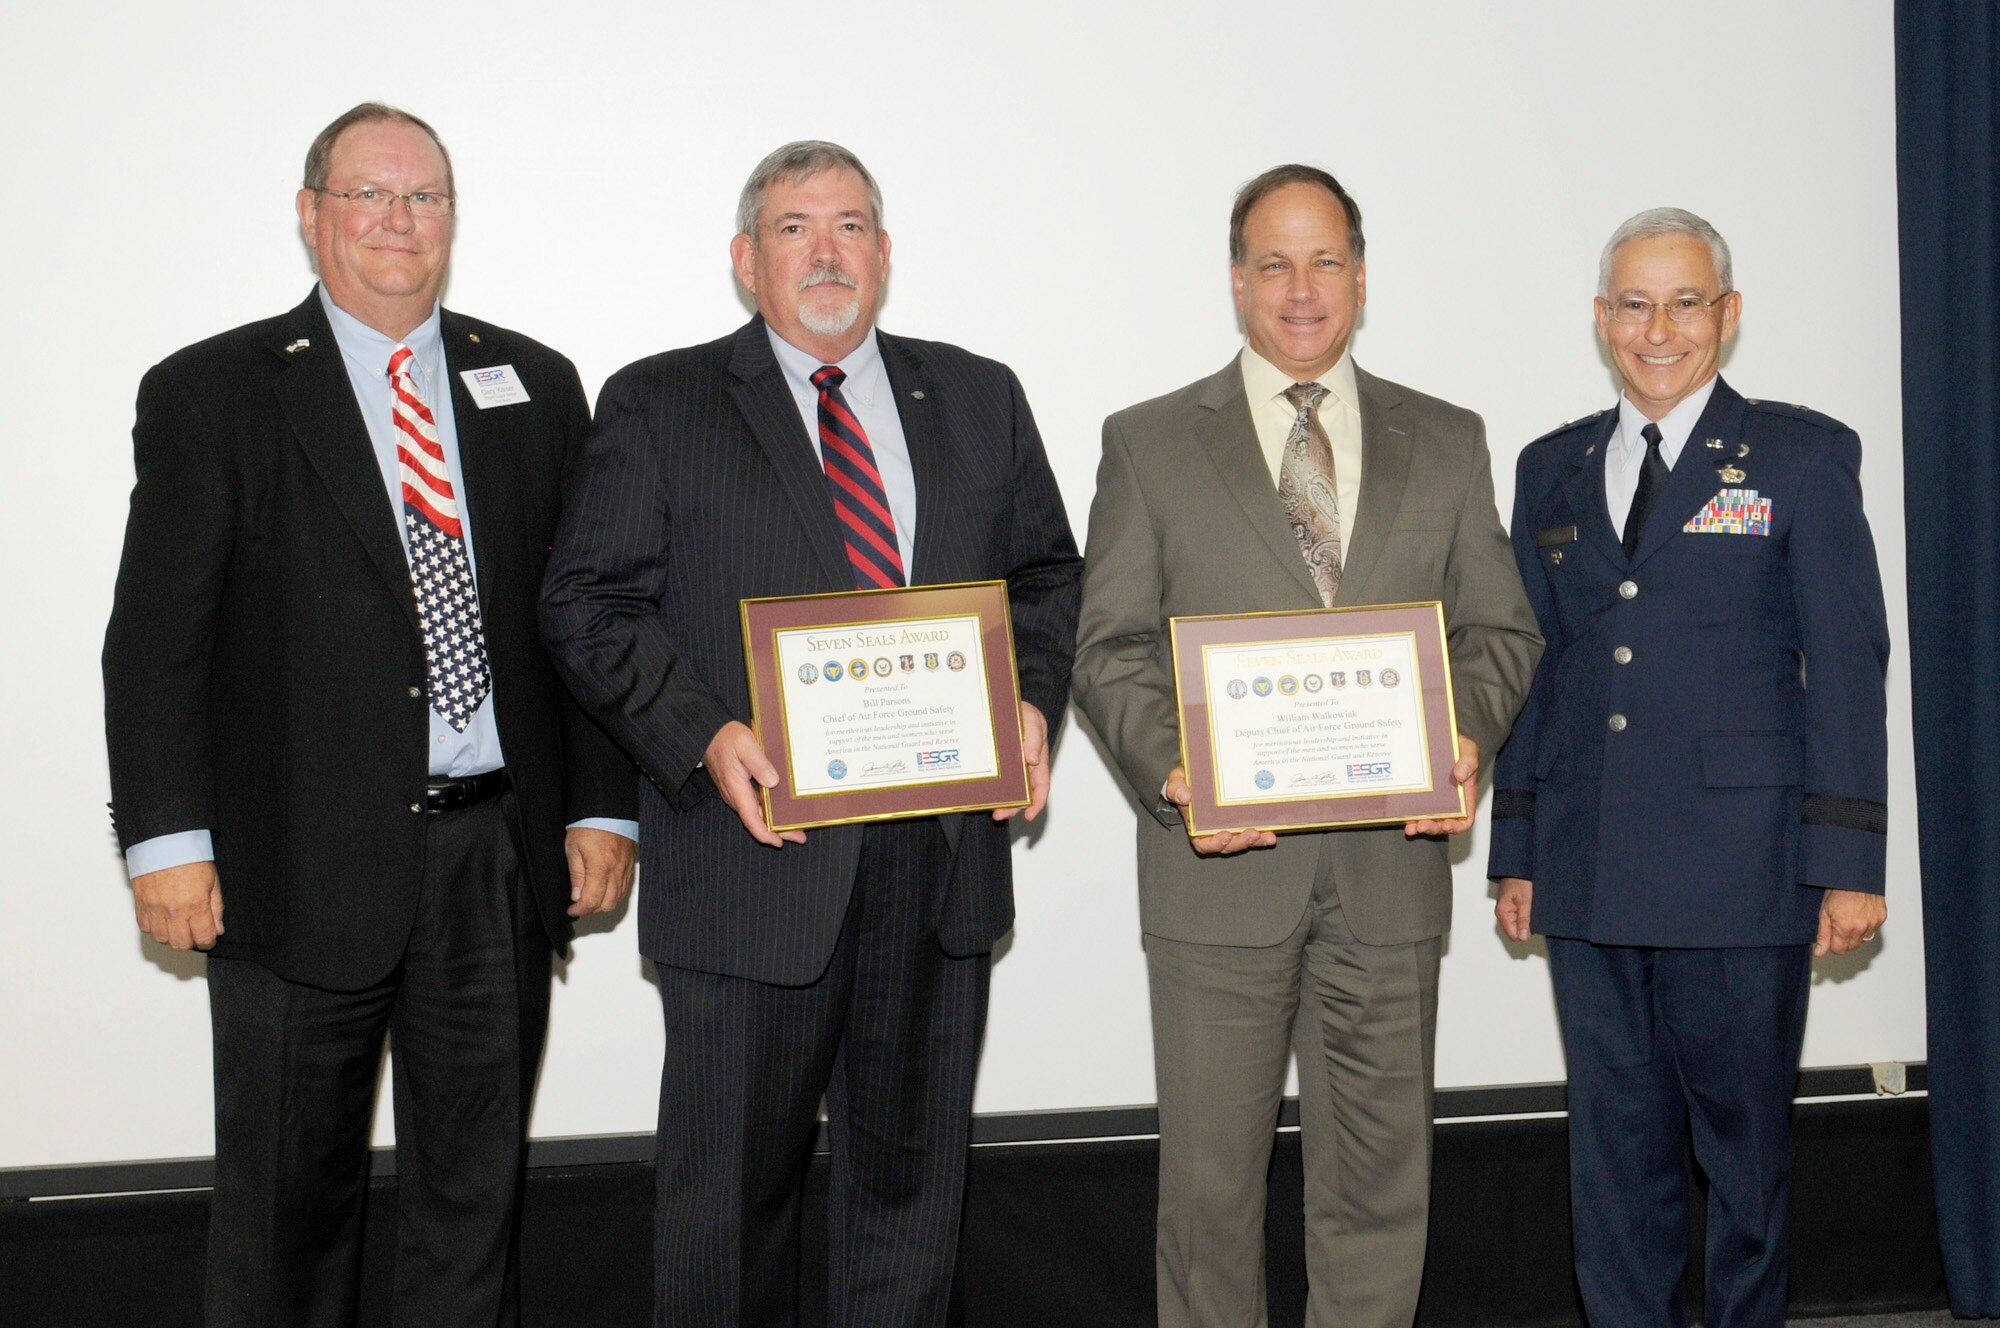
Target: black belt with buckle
{"points": [[448, 795]]}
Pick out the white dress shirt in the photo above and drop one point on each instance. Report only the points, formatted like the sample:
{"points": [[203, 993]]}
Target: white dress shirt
{"points": [[1625, 454]]}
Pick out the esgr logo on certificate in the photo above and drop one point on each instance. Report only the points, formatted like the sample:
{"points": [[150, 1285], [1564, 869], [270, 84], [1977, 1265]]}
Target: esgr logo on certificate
{"points": [[945, 758], [1370, 772]]}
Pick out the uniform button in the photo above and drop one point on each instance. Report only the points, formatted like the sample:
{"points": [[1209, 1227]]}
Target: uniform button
{"points": [[417, 807], [1618, 723], [416, 692], [1622, 654], [1627, 589]]}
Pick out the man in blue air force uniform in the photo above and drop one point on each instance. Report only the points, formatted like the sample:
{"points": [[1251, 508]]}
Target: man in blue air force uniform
{"points": [[1691, 804]]}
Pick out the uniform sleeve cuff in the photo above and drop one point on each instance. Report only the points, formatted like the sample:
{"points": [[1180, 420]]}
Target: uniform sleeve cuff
{"points": [[1841, 857]]}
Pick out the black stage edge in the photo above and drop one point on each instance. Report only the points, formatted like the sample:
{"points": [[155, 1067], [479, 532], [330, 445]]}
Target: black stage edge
{"points": [[1060, 1234], [1452, 1104]]}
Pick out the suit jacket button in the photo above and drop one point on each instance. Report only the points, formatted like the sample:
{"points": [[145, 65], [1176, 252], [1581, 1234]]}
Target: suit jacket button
{"points": [[416, 692], [1622, 654], [1618, 723], [1628, 589], [417, 807]]}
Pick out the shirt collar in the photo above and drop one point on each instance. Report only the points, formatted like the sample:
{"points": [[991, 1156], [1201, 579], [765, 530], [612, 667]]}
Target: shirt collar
{"points": [[862, 365], [370, 349], [1264, 381], [1674, 429]]}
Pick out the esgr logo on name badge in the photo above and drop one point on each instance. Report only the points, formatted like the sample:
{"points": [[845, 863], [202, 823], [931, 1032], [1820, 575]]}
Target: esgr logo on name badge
{"points": [[489, 375]]}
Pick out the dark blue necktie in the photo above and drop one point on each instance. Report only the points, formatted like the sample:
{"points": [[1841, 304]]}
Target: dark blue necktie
{"points": [[1652, 479]]}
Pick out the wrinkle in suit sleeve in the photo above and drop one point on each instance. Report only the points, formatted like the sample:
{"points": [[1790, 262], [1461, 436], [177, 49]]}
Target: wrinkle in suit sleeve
{"points": [[601, 599], [1512, 851], [1044, 571], [1494, 643], [160, 640], [1843, 628], [601, 782], [1124, 681]]}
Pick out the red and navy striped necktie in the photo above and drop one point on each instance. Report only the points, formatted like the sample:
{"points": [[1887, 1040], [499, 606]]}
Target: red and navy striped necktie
{"points": [[859, 499], [447, 603]]}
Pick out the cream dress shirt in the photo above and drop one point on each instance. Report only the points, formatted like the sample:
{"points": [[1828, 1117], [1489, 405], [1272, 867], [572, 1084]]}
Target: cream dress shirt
{"points": [[1339, 414]]}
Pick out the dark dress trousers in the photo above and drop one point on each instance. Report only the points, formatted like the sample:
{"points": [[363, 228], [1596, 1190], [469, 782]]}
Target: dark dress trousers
{"points": [[265, 680], [852, 964], [1702, 754]]}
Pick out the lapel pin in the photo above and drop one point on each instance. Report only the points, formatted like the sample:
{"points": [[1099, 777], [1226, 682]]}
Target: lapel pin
{"points": [[472, 337], [1591, 450], [917, 394], [1743, 449], [1730, 475], [303, 343], [1713, 444]]}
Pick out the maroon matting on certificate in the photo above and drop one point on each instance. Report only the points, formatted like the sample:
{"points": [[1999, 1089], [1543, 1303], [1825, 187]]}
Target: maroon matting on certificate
{"points": [[876, 705], [1317, 718]]}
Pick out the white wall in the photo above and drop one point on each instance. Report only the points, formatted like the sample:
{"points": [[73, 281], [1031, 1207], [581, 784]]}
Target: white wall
{"points": [[1058, 179]]}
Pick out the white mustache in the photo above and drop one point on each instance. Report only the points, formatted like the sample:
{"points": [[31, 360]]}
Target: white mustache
{"points": [[821, 276]]}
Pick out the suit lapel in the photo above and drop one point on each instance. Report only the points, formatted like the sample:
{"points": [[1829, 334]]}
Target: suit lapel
{"points": [[318, 400], [1230, 439], [1584, 487], [920, 407], [768, 407], [1385, 473], [485, 461], [1693, 481]]}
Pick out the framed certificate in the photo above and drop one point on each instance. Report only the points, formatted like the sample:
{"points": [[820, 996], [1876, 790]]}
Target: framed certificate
{"points": [[880, 704], [1318, 718]]}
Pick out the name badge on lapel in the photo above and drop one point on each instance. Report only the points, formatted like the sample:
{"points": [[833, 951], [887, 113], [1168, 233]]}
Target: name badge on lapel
{"points": [[498, 385], [1733, 512]]}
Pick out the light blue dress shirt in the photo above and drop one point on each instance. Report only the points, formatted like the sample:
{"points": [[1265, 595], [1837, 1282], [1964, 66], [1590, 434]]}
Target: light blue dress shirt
{"points": [[365, 354], [872, 398]]}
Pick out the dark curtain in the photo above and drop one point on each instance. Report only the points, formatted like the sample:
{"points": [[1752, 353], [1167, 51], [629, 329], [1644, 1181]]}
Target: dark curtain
{"points": [[1948, 171]]}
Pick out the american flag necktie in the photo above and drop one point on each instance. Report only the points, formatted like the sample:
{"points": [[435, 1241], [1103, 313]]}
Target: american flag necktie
{"points": [[859, 499], [447, 601]]}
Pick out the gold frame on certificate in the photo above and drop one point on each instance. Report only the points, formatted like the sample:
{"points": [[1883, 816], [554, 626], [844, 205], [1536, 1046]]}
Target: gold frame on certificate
{"points": [[786, 806], [1309, 633]]}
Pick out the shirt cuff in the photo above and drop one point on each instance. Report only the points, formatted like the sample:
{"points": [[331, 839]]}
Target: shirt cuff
{"points": [[164, 851], [629, 829]]}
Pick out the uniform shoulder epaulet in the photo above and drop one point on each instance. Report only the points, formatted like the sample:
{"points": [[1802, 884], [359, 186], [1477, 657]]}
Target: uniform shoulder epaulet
{"points": [[1804, 414], [1568, 425]]}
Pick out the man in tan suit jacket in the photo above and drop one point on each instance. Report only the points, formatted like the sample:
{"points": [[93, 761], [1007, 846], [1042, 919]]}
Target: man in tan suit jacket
{"points": [[1330, 940]]}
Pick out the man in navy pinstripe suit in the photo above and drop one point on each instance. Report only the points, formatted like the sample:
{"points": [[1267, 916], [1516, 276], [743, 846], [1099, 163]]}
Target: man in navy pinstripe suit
{"points": [[853, 964]]}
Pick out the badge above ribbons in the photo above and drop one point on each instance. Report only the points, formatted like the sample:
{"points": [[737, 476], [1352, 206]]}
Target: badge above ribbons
{"points": [[1732, 512]]}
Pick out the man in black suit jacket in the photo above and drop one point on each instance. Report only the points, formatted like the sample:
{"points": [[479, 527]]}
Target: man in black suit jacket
{"points": [[854, 964], [307, 721]]}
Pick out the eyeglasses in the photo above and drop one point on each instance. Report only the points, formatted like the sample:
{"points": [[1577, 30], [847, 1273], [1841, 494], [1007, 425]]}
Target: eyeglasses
{"points": [[1681, 309], [424, 203]]}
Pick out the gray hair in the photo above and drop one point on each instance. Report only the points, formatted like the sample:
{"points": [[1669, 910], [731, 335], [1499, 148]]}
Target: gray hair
{"points": [[319, 157], [1667, 221], [794, 163]]}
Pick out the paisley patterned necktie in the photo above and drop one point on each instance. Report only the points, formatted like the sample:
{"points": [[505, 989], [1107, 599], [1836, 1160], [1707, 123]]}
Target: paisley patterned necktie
{"points": [[1306, 488]]}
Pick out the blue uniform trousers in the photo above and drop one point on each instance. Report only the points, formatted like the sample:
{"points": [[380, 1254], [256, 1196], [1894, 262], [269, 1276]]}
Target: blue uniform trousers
{"points": [[1661, 1043]]}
